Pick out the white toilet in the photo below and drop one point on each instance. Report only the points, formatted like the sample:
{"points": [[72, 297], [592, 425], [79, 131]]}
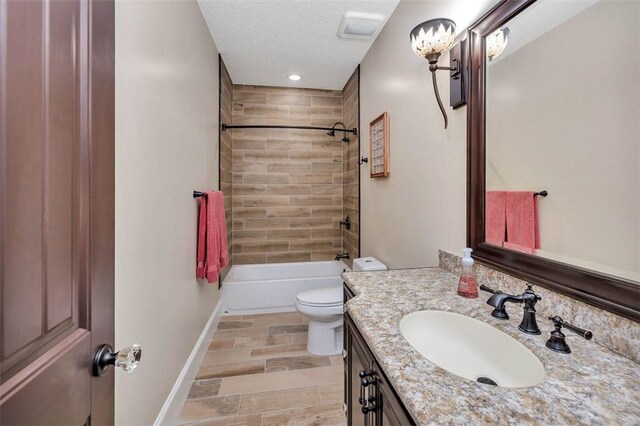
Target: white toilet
{"points": [[323, 307]]}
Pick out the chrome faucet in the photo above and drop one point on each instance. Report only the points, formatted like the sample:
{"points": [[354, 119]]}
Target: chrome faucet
{"points": [[529, 298]]}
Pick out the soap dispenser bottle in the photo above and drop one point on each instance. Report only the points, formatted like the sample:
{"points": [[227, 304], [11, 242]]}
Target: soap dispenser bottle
{"points": [[467, 286]]}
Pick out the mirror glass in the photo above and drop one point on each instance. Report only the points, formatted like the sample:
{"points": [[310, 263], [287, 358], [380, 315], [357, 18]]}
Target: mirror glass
{"points": [[563, 118]]}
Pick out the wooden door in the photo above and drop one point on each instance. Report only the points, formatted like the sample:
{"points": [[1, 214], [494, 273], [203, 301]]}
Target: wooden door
{"points": [[56, 209]]}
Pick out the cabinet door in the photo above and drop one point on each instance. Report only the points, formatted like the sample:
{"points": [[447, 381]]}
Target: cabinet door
{"points": [[390, 411], [358, 362]]}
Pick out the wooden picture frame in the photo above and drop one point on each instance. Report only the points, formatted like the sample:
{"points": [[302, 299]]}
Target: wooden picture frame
{"points": [[379, 146]]}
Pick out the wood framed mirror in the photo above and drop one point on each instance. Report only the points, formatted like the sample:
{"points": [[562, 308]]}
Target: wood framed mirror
{"points": [[595, 281]]}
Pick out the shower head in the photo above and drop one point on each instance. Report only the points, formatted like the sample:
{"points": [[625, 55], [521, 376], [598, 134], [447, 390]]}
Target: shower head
{"points": [[331, 132]]}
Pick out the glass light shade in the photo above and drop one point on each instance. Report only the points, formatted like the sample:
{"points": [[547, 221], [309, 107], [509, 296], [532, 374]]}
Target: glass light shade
{"points": [[497, 42], [434, 36]]}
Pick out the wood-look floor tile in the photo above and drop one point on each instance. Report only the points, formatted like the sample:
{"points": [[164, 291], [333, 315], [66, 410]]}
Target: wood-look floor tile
{"points": [[298, 337], [283, 329], [319, 376], [231, 325], [204, 388], [241, 332], [292, 319], [331, 394], [264, 402], [248, 420], [226, 318], [296, 363], [257, 383], [209, 408], [337, 360], [255, 342], [221, 344], [324, 415], [214, 371], [219, 357], [279, 351]]}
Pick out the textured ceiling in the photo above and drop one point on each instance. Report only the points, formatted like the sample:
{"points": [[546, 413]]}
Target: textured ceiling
{"points": [[263, 41]]}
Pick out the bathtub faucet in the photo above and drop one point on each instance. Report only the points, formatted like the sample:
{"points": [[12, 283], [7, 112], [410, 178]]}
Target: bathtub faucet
{"points": [[342, 256]]}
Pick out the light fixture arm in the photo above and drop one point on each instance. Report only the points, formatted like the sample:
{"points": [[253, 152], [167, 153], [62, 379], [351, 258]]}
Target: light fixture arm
{"points": [[433, 67]]}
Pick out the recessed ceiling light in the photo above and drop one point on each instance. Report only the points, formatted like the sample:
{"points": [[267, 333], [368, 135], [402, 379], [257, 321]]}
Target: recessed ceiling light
{"points": [[295, 77], [358, 25]]}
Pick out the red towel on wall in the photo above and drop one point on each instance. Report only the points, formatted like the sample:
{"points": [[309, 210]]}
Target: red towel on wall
{"points": [[522, 219], [495, 220], [213, 251]]}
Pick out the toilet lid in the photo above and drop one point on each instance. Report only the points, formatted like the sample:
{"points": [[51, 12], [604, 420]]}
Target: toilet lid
{"points": [[330, 296]]}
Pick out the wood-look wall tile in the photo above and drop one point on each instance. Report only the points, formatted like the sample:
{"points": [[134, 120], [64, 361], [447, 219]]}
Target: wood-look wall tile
{"points": [[266, 223], [250, 97], [250, 212], [312, 200], [243, 236], [288, 234], [289, 189], [288, 212], [289, 167], [311, 245], [266, 201], [288, 99], [312, 178], [309, 156], [249, 259], [266, 178], [288, 257], [265, 246], [318, 222]]}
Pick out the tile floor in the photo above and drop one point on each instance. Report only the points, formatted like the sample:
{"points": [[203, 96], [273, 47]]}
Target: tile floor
{"points": [[258, 373]]}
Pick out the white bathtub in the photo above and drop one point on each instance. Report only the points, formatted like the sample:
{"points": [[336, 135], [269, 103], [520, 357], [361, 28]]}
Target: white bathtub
{"points": [[273, 287]]}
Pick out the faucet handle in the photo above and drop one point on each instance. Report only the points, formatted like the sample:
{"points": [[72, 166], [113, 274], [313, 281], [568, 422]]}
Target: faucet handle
{"points": [[490, 290], [557, 340]]}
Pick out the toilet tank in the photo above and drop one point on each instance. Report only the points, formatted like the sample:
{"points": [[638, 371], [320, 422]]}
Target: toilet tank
{"points": [[365, 264]]}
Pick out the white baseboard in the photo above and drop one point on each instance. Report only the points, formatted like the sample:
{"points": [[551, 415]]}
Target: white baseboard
{"points": [[173, 405]]}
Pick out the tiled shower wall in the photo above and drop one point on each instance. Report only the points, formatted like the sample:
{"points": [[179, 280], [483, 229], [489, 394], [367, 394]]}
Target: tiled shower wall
{"points": [[351, 168], [287, 184], [226, 106]]}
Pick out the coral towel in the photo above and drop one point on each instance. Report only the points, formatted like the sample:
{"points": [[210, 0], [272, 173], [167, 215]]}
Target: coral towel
{"points": [[522, 219], [495, 218], [213, 251]]}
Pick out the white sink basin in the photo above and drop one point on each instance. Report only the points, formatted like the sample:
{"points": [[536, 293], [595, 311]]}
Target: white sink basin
{"points": [[471, 349]]}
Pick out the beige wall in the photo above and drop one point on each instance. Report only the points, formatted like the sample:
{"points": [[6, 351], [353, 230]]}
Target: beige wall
{"points": [[420, 207], [574, 130], [166, 146], [287, 184]]}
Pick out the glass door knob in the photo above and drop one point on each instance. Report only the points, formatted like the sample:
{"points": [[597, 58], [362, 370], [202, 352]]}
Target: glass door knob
{"points": [[127, 359]]}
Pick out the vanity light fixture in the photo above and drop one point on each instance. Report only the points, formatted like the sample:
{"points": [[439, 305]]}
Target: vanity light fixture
{"points": [[497, 42], [295, 77], [431, 39]]}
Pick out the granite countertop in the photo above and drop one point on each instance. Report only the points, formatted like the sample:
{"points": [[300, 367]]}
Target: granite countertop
{"points": [[592, 385]]}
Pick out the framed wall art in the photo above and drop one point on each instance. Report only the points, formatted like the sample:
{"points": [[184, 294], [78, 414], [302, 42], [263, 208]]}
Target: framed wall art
{"points": [[379, 145]]}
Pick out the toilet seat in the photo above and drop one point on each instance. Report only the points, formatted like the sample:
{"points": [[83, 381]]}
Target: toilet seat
{"points": [[321, 297]]}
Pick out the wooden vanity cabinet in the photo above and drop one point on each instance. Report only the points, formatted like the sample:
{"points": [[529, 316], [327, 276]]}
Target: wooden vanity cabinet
{"points": [[382, 406]]}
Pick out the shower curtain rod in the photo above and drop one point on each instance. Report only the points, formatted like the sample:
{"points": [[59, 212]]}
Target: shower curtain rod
{"points": [[225, 126]]}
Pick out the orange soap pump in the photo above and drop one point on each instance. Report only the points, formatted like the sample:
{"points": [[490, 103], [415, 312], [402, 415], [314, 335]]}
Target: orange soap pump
{"points": [[467, 286]]}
